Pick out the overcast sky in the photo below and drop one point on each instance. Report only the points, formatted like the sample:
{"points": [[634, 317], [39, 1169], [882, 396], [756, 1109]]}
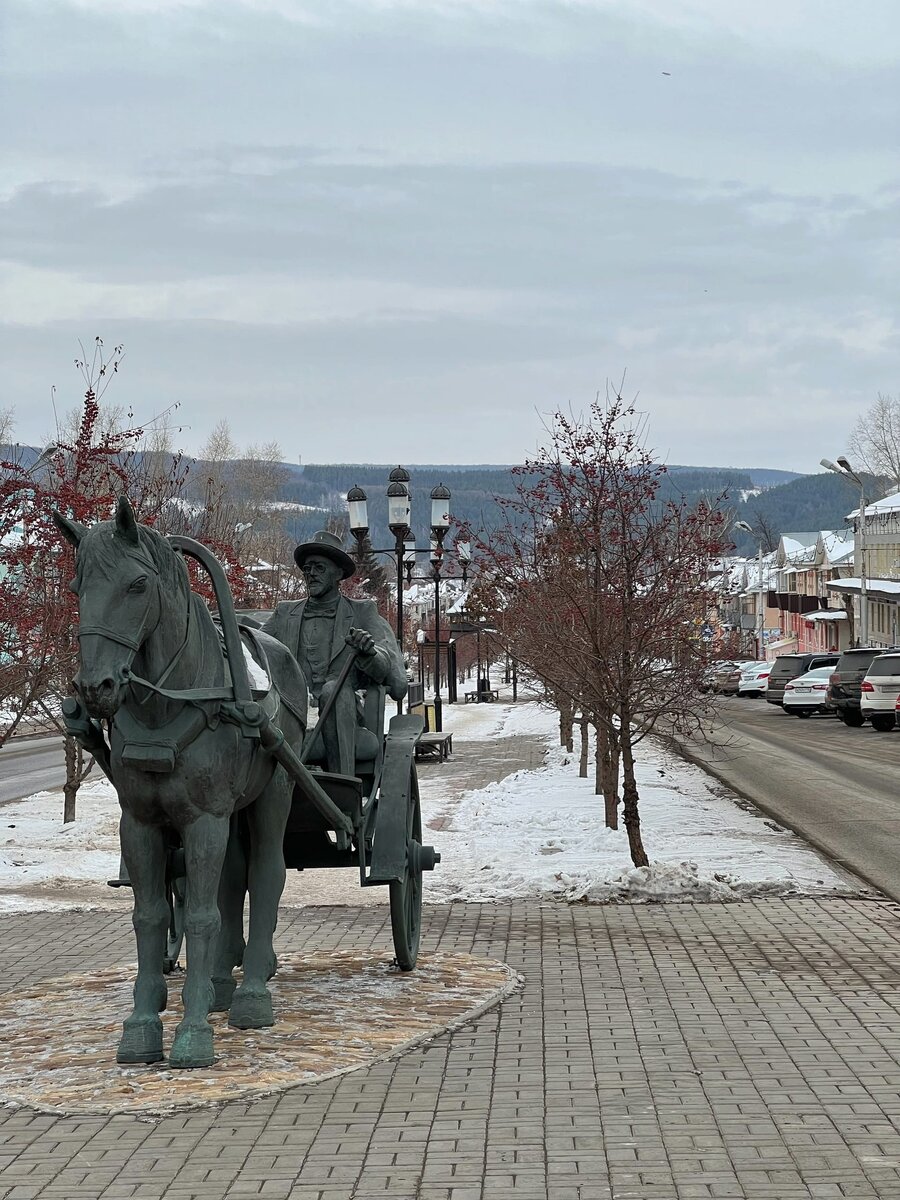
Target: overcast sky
{"points": [[402, 230]]}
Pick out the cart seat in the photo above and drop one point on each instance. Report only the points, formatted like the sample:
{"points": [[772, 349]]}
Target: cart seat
{"points": [[343, 790]]}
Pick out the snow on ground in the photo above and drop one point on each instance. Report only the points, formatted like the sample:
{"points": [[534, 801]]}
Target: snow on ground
{"points": [[40, 857], [537, 833], [541, 833]]}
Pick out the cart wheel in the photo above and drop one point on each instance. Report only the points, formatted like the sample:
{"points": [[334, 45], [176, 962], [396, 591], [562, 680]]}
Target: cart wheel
{"points": [[406, 895], [175, 932]]}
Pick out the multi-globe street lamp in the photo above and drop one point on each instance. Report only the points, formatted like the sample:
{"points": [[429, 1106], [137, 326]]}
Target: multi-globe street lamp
{"points": [[405, 550], [843, 468]]}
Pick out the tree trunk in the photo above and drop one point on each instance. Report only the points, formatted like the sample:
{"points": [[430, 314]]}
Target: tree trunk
{"points": [[630, 797], [583, 761], [73, 778], [567, 725], [606, 774]]}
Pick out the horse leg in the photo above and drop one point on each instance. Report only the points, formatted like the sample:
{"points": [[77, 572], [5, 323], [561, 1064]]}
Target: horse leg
{"points": [[205, 841], [144, 851], [230, 943], [251, 1007]]}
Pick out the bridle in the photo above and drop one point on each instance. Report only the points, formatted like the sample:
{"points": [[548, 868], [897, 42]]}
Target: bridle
{"points": [[187, 695]]}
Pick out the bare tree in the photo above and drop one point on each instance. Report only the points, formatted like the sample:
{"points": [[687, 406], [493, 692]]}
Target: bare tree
{"points": [[600, 587], [874, 442], [765, 530]]}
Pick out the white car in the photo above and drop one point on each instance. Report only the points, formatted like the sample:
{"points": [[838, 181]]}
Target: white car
{"points": [[806, 694], [880, 690], [753, 679]]}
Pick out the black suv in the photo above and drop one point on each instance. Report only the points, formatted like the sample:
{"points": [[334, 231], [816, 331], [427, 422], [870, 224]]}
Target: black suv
{"points": [[789, 666], [844, 685]]}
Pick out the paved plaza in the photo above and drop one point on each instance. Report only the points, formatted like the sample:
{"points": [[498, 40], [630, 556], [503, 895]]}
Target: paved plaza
{"points": [[655, 1052]]}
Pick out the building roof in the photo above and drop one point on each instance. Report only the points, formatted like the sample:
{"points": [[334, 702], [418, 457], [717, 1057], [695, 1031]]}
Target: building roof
{"points": [[888, 588], [837, 546]]}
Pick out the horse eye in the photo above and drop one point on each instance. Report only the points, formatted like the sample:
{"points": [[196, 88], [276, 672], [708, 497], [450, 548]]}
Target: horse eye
{"points": [[139, 584]]}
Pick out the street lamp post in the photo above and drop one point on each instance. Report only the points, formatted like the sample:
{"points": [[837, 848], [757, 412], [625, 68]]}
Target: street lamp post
{"points": [[404, 550], [440, 523], [843, 468], [760, 600]]}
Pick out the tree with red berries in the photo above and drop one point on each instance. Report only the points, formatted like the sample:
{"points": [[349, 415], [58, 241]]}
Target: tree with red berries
{"points": [[82, 474], [599, 587]]}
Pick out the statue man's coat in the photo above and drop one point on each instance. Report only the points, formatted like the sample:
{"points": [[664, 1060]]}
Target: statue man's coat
{"points": [[384, 667]]}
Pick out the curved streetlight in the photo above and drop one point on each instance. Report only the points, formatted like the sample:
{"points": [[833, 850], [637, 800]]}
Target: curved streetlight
{"points": [[843, 468], [760, 601]]}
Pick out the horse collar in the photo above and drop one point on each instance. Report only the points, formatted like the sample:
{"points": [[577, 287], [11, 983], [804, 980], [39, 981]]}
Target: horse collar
{"points": [[157, 750]]}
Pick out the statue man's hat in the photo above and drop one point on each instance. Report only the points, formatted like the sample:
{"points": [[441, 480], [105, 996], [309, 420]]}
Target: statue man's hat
{"points": [[328, 545]]}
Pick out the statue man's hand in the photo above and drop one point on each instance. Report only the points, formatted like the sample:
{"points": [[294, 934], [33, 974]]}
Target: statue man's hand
{"points": [[362, 641]]}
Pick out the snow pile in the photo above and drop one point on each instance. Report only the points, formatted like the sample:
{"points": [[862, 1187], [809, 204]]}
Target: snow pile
{"points": [[540, 834]]}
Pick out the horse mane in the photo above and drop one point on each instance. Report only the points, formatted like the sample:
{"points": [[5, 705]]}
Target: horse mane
{"points": [[104, 546]]}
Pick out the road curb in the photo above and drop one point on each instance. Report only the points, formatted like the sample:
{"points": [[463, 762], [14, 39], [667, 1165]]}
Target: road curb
{"points": [[777, 814]]}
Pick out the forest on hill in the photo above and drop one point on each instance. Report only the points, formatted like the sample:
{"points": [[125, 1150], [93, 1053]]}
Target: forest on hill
{"points": [[802, 502], [796, 503]]}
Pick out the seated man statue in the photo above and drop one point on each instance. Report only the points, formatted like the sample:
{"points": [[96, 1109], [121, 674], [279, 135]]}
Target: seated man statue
{"points": [[318, 632]]}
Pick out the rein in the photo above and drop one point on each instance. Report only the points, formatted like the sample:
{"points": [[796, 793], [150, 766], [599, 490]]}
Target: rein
{"points": [[188, 695], [110, 634]]}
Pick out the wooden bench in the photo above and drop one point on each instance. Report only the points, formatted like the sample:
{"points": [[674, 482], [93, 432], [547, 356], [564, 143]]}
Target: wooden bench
{"points": [[482, 697], [435, 745]]}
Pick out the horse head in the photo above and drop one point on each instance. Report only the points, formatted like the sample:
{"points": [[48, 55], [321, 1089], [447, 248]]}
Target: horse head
{"points": [[117, 582]]}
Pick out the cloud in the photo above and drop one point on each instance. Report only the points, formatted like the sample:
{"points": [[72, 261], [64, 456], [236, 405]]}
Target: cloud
{"points": [[444, 217]]}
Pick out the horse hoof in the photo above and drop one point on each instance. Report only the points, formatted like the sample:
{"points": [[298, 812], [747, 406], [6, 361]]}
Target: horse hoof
{"points": [[223, 990], [193, 1047], [251, 1010], [142, 1042]]}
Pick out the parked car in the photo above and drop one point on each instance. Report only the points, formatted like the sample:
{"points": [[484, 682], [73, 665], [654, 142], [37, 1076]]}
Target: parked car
{"points": [[726, 681], [709, 677], [845, 686], [789, 666], [808, 693], [879, 691], [754, 679]]}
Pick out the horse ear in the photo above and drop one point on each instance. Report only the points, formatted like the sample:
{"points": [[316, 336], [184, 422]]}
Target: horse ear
{"points": [[125, 521], [72, 531]]}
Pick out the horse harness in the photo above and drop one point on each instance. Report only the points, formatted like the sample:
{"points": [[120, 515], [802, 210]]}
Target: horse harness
{"points": [[156, 750]]}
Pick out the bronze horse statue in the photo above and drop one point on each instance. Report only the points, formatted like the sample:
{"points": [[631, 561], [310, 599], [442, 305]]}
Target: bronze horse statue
{"points": [[181, 759]]}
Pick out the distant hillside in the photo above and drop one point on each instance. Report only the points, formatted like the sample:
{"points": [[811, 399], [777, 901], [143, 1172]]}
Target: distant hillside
{"points": [[783, 500], [472, 494], [761, 477], [808, 502]]}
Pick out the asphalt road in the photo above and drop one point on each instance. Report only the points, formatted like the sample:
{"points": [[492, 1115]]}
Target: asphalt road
{"points": [[29, 765], [838, 787]]}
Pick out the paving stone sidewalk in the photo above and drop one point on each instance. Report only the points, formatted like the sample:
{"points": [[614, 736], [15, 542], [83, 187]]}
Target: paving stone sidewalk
{"points": [[656, 1052]]}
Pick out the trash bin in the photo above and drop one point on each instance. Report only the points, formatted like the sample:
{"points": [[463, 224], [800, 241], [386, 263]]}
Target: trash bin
{"points": [[429, 719]]}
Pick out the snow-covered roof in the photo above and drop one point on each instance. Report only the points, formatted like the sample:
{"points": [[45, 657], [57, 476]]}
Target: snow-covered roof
{"points": [[890, 503], [799, 547], [826, 614], [887, 587], [836, 546], [887, 504]]}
